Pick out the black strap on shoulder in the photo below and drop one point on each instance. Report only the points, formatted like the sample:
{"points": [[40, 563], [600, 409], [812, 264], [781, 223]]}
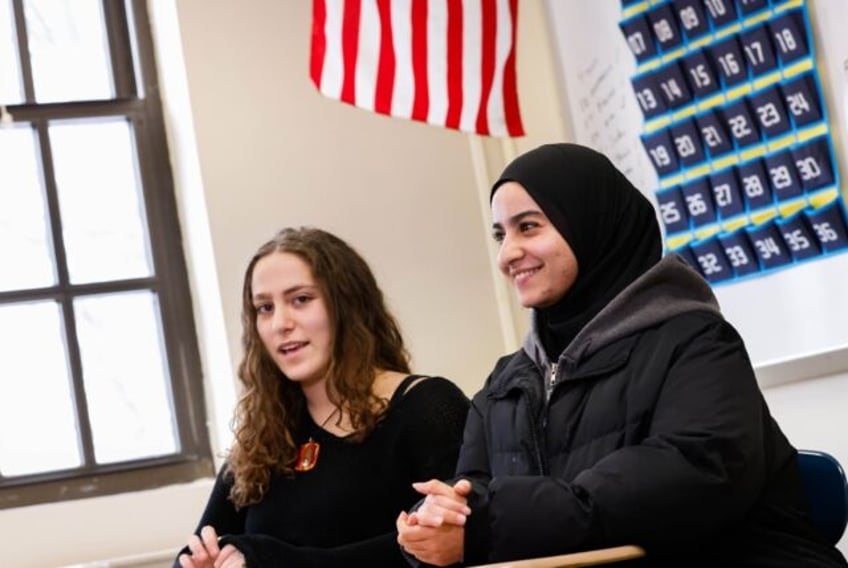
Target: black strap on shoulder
{"points": [[404, 386]]}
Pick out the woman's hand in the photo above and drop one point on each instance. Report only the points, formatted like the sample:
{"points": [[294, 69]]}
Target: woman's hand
{"points": [[434, 533], [443, 504], [205, 552]]}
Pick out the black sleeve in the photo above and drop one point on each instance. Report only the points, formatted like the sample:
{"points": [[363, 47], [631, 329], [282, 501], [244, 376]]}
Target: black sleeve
{"points": [[473, 465], [262, 550], [434, 412], [220, 513]]}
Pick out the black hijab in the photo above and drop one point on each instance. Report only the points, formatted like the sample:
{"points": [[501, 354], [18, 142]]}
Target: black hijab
{"points": [[611, 227]]}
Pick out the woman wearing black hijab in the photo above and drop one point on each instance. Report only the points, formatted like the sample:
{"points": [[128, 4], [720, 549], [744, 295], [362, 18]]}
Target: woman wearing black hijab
{"points": [[630, 416]]}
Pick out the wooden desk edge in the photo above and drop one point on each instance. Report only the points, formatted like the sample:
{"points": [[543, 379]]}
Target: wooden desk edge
{"points": [[573, 560]]}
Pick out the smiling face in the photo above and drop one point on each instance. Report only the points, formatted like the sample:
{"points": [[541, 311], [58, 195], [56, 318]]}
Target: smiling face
{"points": [[533, 255], [292, 319]]}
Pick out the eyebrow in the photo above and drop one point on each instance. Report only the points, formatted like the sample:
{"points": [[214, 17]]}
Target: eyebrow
{"points": [[518, 217], [287, 292]]}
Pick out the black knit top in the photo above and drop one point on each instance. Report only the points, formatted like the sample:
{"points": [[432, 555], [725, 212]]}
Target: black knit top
{"points": [[342, 512]]}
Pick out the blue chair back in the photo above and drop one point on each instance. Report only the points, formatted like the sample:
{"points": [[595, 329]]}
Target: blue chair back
{"points": [[827, 491]]}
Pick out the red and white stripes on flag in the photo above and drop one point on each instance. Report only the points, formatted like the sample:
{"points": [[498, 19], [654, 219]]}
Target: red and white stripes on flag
{"points": [[449, 63]]}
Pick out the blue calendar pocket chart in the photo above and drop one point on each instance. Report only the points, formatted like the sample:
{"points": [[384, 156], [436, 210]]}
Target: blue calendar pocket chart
{"points": [[799, 237], [814, 164], [769, 246], [740, 123], [802, 100], [698, 197], [749, 7], [721, 12], [648, 95], [785, 183], [790, 36], [661, 152], [664, 25], [739, 253], [772, 118], [728, 59], [687, 143], [637, 32], [673, 210], [686, 254], [692, 18], [702, 76], [727, 194], [755, 184], [828, 224], [712, 262], [736, 127], [758, 50], [714, 134], [673, 85]]}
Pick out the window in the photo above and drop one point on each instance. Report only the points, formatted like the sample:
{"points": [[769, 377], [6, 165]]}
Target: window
{"points": [[100, 379]]}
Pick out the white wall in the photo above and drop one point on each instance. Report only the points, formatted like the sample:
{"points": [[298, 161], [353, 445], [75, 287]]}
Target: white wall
{"points": [[257, 148]]}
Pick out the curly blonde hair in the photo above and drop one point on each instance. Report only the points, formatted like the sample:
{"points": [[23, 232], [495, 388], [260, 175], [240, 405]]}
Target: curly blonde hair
{"points": [[366, 339]]}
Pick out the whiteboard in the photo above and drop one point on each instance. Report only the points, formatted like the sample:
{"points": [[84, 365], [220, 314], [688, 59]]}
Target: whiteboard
{"points": [[794, 321]]}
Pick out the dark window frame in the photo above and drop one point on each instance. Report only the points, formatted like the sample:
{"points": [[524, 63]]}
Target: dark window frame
{"points": [[136, 84]]}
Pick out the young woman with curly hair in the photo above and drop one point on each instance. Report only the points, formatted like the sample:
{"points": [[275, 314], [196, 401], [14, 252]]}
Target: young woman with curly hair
{"points": [[331, 425]]}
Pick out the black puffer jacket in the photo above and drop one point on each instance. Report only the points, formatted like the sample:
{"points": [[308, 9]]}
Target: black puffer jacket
{"points": [[652, 432]]}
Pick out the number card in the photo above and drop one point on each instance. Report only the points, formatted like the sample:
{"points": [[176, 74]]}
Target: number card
{"points": [[755, 184], [790, 36], [714, 134], [648, 95], [758, 50], [702, 78], [771, 115], [828, 224], [769, 246], [673, 85], [729, 61], [722, 12], [665, 27], [692, 17], [802, 99], [739, 252], [699, 202], [712, 263], [748, 7], [740, 123], [637, 32], [661, 151], [727, 193], [687, 143], [784, 178], [672, 210], [799, 237], [686, 254], [814, 164]]}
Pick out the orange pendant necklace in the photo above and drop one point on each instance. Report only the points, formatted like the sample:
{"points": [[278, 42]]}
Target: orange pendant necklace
{"points": [[307, 454]]}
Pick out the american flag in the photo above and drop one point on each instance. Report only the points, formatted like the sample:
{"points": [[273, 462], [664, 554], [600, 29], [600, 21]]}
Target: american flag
{"points": [[449, 63]]}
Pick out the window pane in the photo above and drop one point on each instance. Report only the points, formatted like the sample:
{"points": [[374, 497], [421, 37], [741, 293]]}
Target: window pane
{"points": [[37, 426], [125, 376], [100, 199], [68, 50], [10, 76], [25, 254]]}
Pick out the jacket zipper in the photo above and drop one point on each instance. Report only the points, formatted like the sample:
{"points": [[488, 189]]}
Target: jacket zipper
{"points": [[549, 388]]}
